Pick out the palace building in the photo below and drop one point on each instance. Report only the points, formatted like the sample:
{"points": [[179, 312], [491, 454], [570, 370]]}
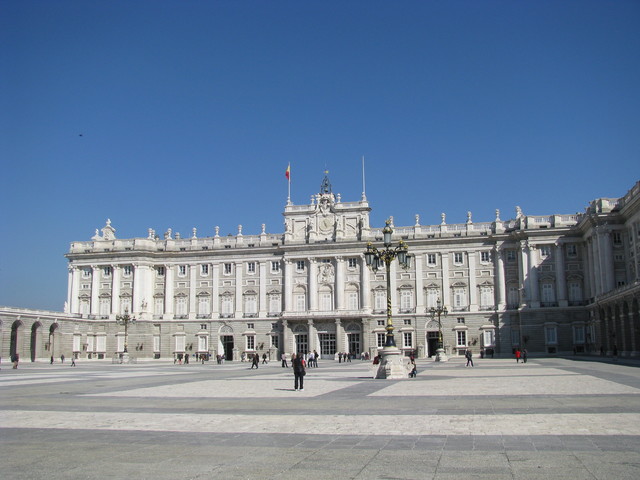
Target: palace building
{"points": [[554, 284]]}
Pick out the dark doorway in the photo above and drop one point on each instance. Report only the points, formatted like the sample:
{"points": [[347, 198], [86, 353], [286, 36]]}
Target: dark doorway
{"points": [[227, 346], [432, 343]]}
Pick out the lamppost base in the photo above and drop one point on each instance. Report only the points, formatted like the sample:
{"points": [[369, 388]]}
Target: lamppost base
{"points": [[391, 366], [441, 356]]}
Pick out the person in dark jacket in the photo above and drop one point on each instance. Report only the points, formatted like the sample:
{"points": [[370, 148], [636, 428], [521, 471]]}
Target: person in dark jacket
{"points": [[299, 372]]}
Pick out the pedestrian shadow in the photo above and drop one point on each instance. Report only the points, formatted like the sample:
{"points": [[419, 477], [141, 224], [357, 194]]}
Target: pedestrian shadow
{"points": [[285, 389]]}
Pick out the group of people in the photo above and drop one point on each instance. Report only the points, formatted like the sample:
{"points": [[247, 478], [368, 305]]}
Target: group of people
{"points": [[521, 355]]}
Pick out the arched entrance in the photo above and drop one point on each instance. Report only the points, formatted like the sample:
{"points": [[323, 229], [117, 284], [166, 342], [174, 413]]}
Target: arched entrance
{"points": [[225, 345], [433, 338], [17, 337], [36, 340], [53, 337]]}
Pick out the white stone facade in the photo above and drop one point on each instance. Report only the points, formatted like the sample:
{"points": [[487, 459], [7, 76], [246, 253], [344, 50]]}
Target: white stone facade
{"points": [[554, 284]]}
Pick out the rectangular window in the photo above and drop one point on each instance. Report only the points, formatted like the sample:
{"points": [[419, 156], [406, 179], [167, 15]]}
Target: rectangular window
{"points": [[86, 273], [406, 300], [301, 302], [127, 270], [274, 341], [572, 250], [227, 305], [274, 303], [575, 291], [181, 306], [551, 335], [353, 262], [251, 342], [251, 267], [352, 300], [578, 334], [381, 338], [379, 300], [326, 302], [227, 268], [160, 271], [300, 265], [617, 238], [158, 306], [251, 304], [459, 297], [182, 270], [105, 306], [548, 293], [511, 256], [457, 258], [545, 251], [204, 306], [431, 259], [488, 337], [461, 338], [204, 270], [407, 337], [486, 297], [250, 326], [407, 321], [106, 271], [485, 257], [432, 297], [275, 267], [460, 319]]}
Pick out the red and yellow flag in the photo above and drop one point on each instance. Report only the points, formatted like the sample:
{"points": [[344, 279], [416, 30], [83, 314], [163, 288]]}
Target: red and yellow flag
{"points": [[287, 173]]}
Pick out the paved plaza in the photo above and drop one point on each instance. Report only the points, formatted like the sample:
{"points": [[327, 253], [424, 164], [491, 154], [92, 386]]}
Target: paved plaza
{"points": [[546, 419]]}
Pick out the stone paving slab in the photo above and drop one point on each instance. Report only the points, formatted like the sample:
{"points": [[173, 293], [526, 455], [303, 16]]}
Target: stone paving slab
{"points": [[549, 418]]}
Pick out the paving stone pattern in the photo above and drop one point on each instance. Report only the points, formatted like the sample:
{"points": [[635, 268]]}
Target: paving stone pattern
{"points": [[548, 418]]}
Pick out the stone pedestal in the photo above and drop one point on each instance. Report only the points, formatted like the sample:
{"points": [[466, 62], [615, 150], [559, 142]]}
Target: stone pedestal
{"points": [[392, 365], [441, 356]]}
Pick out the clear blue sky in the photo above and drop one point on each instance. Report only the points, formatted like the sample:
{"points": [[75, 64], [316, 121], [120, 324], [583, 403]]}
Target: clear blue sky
{"points": [[184, 114]]}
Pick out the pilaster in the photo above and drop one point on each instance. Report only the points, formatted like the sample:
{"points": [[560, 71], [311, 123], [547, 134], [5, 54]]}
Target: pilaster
{"points": [[561, 283], [313, 285], [473, 288], [340, 283]]}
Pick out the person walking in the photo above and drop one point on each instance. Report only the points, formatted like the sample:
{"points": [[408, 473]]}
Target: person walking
{"points": [[518, 355], [298, 371], [256, 361], [284, 361], [264, 359], [524, 355], [73, 361], [468, 355]]}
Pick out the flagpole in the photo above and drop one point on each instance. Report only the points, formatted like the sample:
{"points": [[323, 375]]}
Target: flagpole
{"points": [[288, 175], [364, 188]]}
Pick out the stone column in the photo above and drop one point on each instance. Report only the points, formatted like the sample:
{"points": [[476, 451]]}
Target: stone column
{"points": [[594, 259], [607, 254], [534, 288], [263, 306], [365, 290], [561, 282], [286, 338], [215, 291], [473, 288], [288, 286], [193, 272], [340, 340], [313, 334], [446, 293], [115, 290], [340, 283], [313, 285], [169, 292], [239, 298], [523, 269], [74, 303], [420, 308], [95, 284], [500, 287]]}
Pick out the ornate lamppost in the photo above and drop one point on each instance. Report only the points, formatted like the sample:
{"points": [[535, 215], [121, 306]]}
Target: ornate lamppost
{"points": [[391, 365], [125, 320], [436, 312]]}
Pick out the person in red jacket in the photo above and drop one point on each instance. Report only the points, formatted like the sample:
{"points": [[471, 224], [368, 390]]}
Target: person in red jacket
{"points": [[518, 355]]}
